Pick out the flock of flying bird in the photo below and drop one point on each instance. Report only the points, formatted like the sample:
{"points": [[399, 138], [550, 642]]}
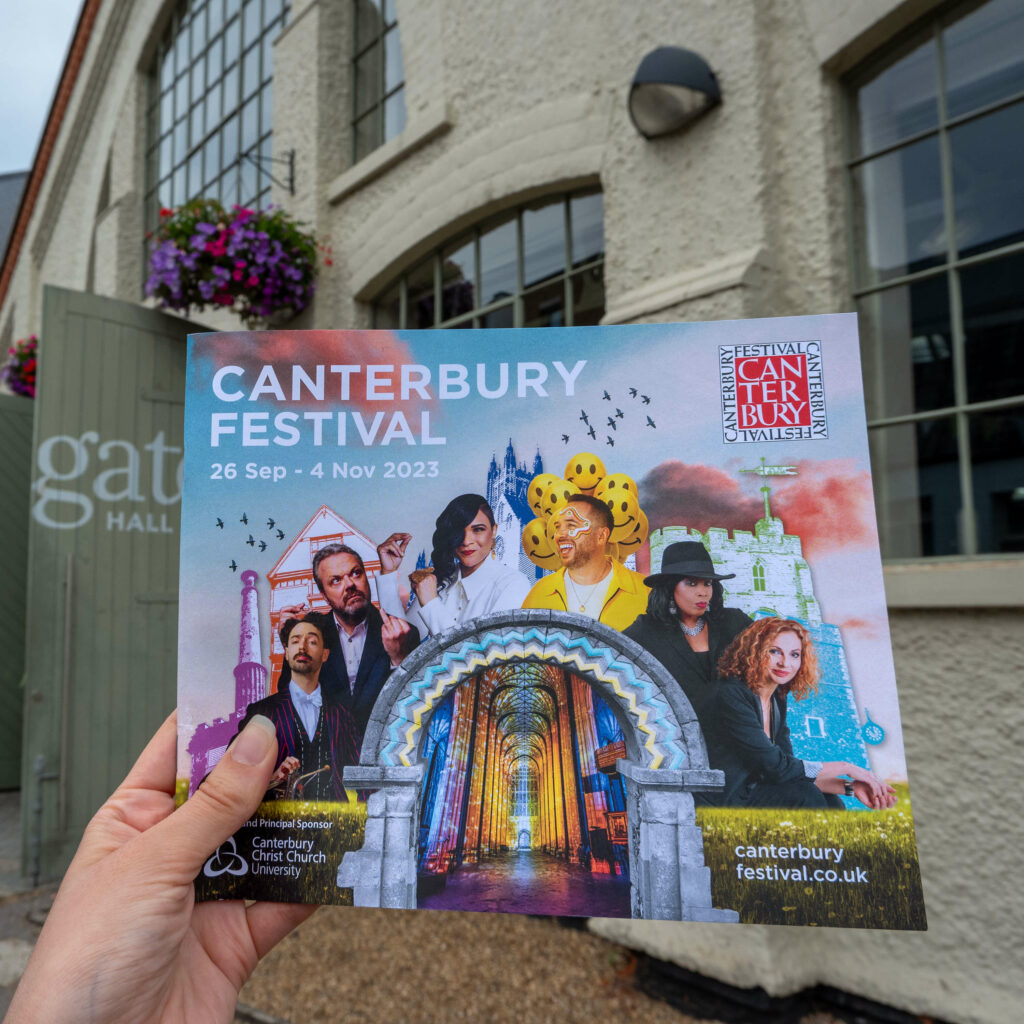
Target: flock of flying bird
{"points": [[252, 542], [612, 420]]}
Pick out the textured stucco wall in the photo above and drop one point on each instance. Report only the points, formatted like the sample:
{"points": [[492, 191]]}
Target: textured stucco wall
{"points": [[963, 727]]}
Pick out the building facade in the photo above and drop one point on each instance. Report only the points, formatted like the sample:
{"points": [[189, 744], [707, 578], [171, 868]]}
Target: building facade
{"points": [[478, 166]]}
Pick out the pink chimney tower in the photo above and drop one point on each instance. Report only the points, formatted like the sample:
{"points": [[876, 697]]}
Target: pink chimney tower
{"points": [[250, 673]]}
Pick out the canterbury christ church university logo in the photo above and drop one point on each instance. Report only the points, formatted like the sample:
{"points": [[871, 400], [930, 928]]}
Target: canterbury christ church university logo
{"points": [[226, 861], [772, 392]]}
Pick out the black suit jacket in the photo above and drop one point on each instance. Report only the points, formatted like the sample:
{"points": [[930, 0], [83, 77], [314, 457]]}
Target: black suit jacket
{"points": [[739, 746], [342, 745], [374, 669], [696, 674]]}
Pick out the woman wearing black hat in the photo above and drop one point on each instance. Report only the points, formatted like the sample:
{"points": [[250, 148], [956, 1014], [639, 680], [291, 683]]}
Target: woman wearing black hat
{"points": [[686, 626]]}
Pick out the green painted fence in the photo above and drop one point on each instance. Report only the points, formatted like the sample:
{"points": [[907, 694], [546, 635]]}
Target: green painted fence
{"points": [[103, 559]]}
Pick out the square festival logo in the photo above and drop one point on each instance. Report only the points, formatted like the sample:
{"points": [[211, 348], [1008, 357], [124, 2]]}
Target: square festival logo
{"points": [[534, 635], [772, 392]]}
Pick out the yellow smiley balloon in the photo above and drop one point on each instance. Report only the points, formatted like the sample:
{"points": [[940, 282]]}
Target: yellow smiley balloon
{"points": [[556, 495], [535, 492], [585, 470], [538, 545], [636, 539]]}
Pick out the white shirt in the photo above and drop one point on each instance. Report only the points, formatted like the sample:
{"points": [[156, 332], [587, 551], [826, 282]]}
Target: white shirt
{"points": [[591, 596], [352, 649], [307, 705], [491, 587]]}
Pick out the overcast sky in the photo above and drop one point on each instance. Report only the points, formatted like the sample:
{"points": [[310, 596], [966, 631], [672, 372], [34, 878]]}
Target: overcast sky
{"points": [[33, 44]]}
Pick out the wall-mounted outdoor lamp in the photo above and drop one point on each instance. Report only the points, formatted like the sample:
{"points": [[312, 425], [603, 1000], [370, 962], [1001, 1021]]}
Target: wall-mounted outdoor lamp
{"points": [[671, 87]]}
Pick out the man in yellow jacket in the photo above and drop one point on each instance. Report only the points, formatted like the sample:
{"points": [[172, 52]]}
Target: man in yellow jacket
{"points": [[590, 581]]}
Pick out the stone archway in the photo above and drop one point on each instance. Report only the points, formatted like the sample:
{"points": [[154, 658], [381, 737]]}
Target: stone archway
{"points": [[666, 758]]}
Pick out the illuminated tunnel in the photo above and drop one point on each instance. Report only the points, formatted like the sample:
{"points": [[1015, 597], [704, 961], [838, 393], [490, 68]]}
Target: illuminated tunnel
{"points": [[522, 756]]}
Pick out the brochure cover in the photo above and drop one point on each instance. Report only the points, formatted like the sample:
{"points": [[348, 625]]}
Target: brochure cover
{"points": [[580, 621]]}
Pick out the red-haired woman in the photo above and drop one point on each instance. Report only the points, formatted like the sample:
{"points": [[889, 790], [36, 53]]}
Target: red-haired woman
{"points": [[748, 737]]}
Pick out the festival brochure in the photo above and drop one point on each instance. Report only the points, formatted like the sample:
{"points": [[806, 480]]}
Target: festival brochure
{"points": [[586, 621]]}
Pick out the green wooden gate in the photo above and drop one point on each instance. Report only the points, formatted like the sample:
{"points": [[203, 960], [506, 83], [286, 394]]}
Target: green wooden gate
{"points": [[103, 559], [15, 475]]}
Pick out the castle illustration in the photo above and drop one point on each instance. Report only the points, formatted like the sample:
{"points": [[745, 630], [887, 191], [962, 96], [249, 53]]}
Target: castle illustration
{"points": [[773, 578]]}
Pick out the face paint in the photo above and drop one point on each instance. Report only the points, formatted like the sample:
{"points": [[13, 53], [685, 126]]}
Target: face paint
{"points": [[574, 521]]}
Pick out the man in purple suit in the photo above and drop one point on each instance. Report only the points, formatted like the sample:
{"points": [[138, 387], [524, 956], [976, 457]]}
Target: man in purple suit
{"points": [[316, 736]]}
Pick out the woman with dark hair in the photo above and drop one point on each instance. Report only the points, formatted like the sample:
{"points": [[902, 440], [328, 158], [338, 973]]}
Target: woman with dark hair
{"points": [[748, 738], [465, 580], [686, 625]]}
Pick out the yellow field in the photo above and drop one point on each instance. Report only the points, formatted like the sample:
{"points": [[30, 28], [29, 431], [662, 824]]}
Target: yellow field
{"points": [[877, 883]]}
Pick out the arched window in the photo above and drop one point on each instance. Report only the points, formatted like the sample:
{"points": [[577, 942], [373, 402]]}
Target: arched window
{"points": [[209, 114], [540, 265], [759, 583]]}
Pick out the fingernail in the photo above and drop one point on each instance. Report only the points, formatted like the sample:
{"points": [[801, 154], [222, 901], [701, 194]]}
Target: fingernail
{"points": [[254, 741]]}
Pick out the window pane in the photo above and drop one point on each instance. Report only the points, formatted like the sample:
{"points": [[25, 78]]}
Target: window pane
{"points": [[195, 175], [389, 11], [232, 42], [211, 158], [198, 79], [907, 348], [588, 296], [251, 20], [394, 115], [248, 177], [498, 263], [166, 70], [165, 156], [997, 474], [368, 79], [266, 109], [543, 242], [420, 292], [250, 124], [898, 213], [917, 488], [586, 214], [993, 302], [899, 101], [178, 185], [231, 90], [181, 96], [368, 22], [213, 64], [181, 52], [458, 276], [394, 74], [988, 187], [250, 72], [216, 13], [387, 309], [196, 131], [213, 107], [368, 134], [545, 306], [167, 108], [271, 9], [229, 145], [984, 57], [267, 50], [198, 32], [180, 139], [502, 317]]}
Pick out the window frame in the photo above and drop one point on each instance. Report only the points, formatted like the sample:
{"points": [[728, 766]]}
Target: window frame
{"points": [[517, 301], [948, 269], [178, 25], [375, 112]]}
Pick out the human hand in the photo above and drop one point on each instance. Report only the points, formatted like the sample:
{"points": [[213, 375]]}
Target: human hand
{"points": [[392, 551], [397, 637], [285, 768], [425, 588], [293, 611], [125, 940], [878, 798]]}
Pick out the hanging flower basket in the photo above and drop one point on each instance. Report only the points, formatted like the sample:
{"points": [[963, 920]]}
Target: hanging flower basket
{"points": [[19, 369], [257, 262]]}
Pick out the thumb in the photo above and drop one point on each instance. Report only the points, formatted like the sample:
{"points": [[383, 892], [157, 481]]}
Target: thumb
{"points": [[222, 804]]}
